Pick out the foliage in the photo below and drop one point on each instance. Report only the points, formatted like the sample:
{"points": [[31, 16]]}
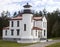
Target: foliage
{"points": [[4, 21], [15, 14]]}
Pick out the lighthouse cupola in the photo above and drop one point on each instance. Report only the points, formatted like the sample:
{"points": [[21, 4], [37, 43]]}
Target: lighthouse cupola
{"points": [[27, 9]]}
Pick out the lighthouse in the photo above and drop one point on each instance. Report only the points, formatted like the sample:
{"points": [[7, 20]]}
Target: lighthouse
{"points": [[26, 28], [27, 23]]}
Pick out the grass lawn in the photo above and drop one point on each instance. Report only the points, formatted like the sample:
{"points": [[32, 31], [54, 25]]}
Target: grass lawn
{"points": [[12, 44], [54, 45]]}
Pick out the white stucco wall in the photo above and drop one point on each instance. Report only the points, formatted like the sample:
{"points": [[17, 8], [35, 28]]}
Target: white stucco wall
{"points": [[23, 34], [27, 20], [44, 26], [34, 34], [38, 24], [29, 24], [15, 30], [9, 34]]}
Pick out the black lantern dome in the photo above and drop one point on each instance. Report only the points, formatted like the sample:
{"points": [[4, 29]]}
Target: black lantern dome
{"points": [[27, 6], [27, 9]]}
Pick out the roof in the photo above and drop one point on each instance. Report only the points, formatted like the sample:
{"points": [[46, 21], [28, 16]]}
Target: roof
{"points": [[20, 18], [6, 28], [17, 18], [36, 28], [27, 5], [37, 18]]}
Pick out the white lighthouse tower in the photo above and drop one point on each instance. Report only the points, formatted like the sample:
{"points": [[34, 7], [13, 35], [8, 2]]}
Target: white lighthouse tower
{"points": [[27, 23]]}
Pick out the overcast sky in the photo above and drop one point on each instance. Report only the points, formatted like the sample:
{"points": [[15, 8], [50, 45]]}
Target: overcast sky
{"points": [[15, 5]]}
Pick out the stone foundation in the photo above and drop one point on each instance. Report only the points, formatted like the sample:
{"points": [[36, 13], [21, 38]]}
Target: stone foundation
{"points": [[20, 40], [11, 39], [43, 38]]}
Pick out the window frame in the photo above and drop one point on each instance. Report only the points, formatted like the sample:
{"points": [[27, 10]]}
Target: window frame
{"points": [[12, 32], [31, 32], [24, 27], [12, 24], [44, 32], [6, 32], [36, 32], [44, 24], [18, 32], [17, 23]]}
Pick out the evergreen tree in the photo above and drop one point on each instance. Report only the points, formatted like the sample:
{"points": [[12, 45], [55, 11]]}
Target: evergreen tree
{"points": [[44, 12], [15, 14], [8, 14], [3, 22], [40, 13], [18, 12]]}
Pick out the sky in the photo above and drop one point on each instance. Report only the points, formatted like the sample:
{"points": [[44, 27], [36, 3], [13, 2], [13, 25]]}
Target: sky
{"points": [[16, 5]]}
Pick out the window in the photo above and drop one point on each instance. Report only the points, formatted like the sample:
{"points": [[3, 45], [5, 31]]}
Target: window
{"points": [[32, 19], [6, 32], [36, 32], [11, 23], [34, 23], [17, 23], [24, 27], [12, 32], [44, 32], [44, 24], [18, 31], [31, 32]]}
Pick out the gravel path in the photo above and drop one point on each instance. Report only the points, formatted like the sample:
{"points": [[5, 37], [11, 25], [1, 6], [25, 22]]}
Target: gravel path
{"points": [[43, 44]]}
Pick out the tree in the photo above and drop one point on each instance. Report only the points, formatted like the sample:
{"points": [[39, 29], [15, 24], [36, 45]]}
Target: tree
{"points": [[44, 12], [15, 14], [3, 14], [36, 14], [52, 19], [3, 22], [56, 29], [18, 12], [40, 13], [8, 14]]}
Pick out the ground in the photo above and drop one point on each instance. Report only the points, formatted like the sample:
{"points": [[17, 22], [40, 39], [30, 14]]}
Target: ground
{"points": [[54, 45], [12, 44], [44, 44], [41, 44]]}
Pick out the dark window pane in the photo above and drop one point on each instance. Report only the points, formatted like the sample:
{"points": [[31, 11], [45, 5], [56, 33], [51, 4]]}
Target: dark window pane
{"points": [[11, 23], [24, 27], [36, 32], [18, 31], [6, 32], [44, 32], [12, 31], [17, 23]]}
